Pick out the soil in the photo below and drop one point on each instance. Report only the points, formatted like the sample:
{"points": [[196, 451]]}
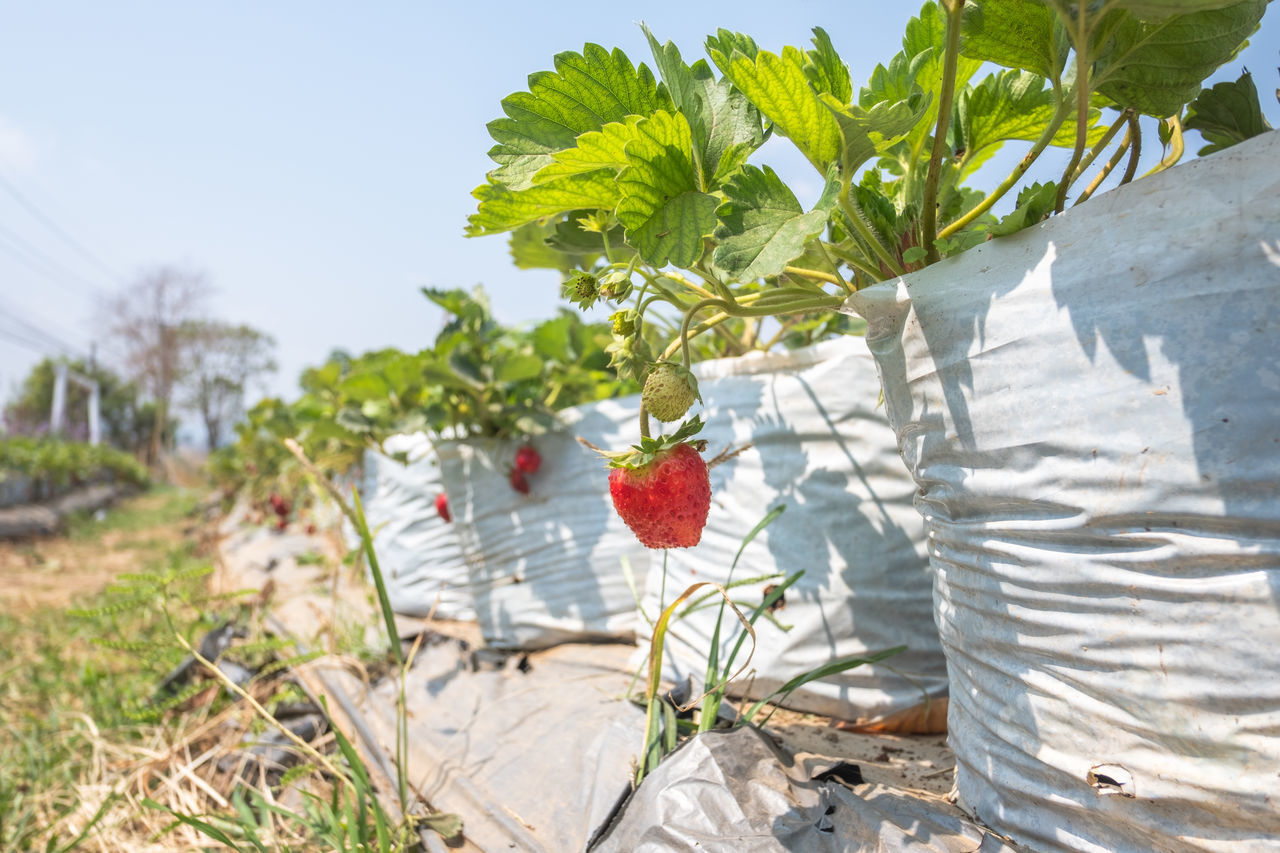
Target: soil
{"points": [[918, 763], [53, 571]]}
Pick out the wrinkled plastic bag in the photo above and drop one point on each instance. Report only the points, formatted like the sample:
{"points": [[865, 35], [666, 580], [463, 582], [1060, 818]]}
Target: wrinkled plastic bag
{"points": [[1091, 409], [418, 551], [734, 792], [820, 445], [547, 567]]}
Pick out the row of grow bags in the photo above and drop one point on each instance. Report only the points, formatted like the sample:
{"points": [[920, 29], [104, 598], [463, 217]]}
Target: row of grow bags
{"points": [[558, 565]]}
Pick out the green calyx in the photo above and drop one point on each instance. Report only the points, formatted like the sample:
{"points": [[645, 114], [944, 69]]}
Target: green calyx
{"points": [[643, 453], [582, 289]]}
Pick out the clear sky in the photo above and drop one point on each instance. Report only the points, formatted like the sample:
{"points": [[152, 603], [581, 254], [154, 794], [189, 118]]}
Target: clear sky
{"points": [[314, 159]]}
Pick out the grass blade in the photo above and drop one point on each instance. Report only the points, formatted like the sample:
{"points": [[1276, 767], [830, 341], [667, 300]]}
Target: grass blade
{"points": [[829, 669]]}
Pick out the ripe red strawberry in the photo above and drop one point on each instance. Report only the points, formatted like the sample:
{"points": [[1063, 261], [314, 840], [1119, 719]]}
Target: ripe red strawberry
{"points": [[442, 507], [519, 481], [281, 524], [663, 491], [528, 459]]}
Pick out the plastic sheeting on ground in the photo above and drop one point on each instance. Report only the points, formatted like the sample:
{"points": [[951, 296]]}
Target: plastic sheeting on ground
{"points": [[535, 751], [1091, 408], [533, 756], [733, 792], [822, 446], [547, 567], [418, 551]]}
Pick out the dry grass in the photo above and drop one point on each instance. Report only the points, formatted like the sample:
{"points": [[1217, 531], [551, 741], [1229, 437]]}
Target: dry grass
{"points": [[89, 743]]}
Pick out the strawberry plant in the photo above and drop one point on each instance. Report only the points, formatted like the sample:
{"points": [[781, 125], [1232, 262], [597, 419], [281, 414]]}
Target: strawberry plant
{"points": [[478, 378], [53, 465], [637, 183]]}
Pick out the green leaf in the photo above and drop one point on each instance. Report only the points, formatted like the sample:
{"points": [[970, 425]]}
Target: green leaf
{"points": [[517, 368], [1156, 9], [502, 209], [1035, 202], [551, 337], [596, 149], [1156, 67], [584, 93], [825, 671], [726, 43], [530, 249], [662, 208], [924, 42], [865, 133], [1226, 114], [914, 77], [724, 125], [780, 90], [1016, 34], [445, 824], [365, 386], [1014, 105], [826, 71], [763, 227]]}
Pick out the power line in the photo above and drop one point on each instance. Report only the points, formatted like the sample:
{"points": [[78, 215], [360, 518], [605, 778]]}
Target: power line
{"points": [[42, 263], [30, 329], [57, 229], [24, 341]]}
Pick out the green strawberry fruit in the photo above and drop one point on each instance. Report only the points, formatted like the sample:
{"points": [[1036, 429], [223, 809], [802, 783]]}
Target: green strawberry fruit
{"points": [[669, 391]]}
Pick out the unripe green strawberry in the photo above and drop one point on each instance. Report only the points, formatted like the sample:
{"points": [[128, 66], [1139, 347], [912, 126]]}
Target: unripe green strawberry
{"points": [[669, 391], [615, 286], [664, 500]]}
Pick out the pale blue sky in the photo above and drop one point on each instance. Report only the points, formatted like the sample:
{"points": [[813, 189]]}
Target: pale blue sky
{"points": [[314, 159]]}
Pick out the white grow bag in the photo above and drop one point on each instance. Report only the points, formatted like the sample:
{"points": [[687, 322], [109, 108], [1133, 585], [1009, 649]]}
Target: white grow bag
{"points": [[418, 551], [547, 567], [821, 446], [1091, 409]]}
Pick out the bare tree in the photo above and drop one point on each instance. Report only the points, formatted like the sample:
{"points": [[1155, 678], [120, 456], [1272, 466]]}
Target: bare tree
{"points": [[145, 319], [221, 359]]}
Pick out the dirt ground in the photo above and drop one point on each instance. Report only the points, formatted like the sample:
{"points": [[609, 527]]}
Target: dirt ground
{"points": [[52, 571]]}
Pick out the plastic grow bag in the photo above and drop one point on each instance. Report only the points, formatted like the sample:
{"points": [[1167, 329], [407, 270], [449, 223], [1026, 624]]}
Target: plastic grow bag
{"points": [[548, 566], [418, 551], [1091, 409], [821, 446]]}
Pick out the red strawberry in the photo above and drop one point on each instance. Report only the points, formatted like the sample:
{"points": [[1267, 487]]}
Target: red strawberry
{"points": [[663, 491], [519, 481], [442, 507], [281, 525], [528, 459]]}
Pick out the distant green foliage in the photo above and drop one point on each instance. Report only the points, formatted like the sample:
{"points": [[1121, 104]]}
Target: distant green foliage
{"points": [[55, 465], [478, 378], [126, 420]]}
